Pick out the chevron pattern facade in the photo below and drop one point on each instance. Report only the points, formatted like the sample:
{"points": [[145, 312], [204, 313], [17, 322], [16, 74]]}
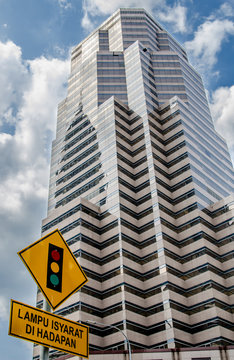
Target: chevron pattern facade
{"points": [[141, 188]]}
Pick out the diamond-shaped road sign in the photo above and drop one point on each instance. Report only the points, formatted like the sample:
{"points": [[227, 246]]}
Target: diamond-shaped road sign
{"points": [[54, 268]]}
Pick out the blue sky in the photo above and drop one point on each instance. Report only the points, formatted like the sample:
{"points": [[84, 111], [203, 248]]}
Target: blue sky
{"points": [[35, 42]]}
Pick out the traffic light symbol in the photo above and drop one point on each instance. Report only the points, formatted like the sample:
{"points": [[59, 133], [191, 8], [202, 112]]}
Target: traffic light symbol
{"points": [[55, 268]]}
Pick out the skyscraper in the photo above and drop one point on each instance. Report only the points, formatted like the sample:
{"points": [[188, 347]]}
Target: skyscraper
{"points": [[141, 188]]}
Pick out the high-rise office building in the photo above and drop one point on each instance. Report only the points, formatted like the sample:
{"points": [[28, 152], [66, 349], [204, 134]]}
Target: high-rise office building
{"points": [[141, 188]]}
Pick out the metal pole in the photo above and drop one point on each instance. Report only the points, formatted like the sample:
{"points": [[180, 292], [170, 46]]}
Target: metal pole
{"points": [[115, 327], [44, 354]]}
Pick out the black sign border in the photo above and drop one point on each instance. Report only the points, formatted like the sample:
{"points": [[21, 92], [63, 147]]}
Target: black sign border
{"points": [[74, 290]]}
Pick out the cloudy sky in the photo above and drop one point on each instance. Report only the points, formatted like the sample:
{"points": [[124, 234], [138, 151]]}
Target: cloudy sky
{"points": [[35, 42]]}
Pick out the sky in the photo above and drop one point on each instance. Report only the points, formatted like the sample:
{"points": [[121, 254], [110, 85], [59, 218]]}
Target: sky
{"points": [[36, 38]]}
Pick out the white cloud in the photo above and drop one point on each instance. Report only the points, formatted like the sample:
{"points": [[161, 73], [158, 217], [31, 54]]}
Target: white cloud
{"points": [[207, 42], [26, 151], [222, 109], [226, 10], [65, 4], [29, 94], [3, 308], [86, 22], [13, 79], [175, 15], [103, 7]]}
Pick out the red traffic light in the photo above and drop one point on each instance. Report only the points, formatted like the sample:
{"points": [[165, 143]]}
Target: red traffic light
{"points": [[55, 255]]}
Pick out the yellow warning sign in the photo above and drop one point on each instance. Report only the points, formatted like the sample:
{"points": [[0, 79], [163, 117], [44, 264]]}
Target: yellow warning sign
{"points": [[44, 328], [54, 268]]}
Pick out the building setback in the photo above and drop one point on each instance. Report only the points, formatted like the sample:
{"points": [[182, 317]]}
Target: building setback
{"points": [[141, 188]]}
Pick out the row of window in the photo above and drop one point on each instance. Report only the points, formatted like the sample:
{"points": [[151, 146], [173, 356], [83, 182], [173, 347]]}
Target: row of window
{"points": [[196, 94], [227, 173], [80, 191], [134, 327], [172, 149], [162, 96], [213, 214], [110, 64], [79, 158], [79, 147], [203, 325], [195, 109], [78, 138], [112, 88], [110, 72], [115, 255], [167, 72], [180, 213], [78, 180], [200, 252], [145, 294], [200, 270], [168, 79], [196, 237], [166, 64], [76, 130], [89, 226], [131, 131], [201, 125], [76, 121], [126, 238], [152, 92], [154, 255], [79, 168], [173, 162], [133, 176], [128, 131], [197, 105], [215, 185], [129, 141], [111, 79], [134, 189], [193, 222], [197, 271], [174, 201], [174, 174], [209, 135], [155, 57], [69, 213], [111, 56], [136, 202], [130, 163], [130, 152], [170, 87], [186, 194], [103, 97]]}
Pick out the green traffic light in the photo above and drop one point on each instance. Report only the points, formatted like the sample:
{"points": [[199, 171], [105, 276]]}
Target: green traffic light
{"points": [[54, 279]]}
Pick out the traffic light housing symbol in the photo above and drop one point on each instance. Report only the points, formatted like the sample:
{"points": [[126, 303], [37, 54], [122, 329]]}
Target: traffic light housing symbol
{"points": [[55, 268]]}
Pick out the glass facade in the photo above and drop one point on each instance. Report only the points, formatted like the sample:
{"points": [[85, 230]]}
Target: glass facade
{"points": [[140, 187]]}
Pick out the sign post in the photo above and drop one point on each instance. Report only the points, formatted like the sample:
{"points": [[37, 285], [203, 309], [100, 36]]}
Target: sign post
{"points": [[57, 273], [44, 351]]}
